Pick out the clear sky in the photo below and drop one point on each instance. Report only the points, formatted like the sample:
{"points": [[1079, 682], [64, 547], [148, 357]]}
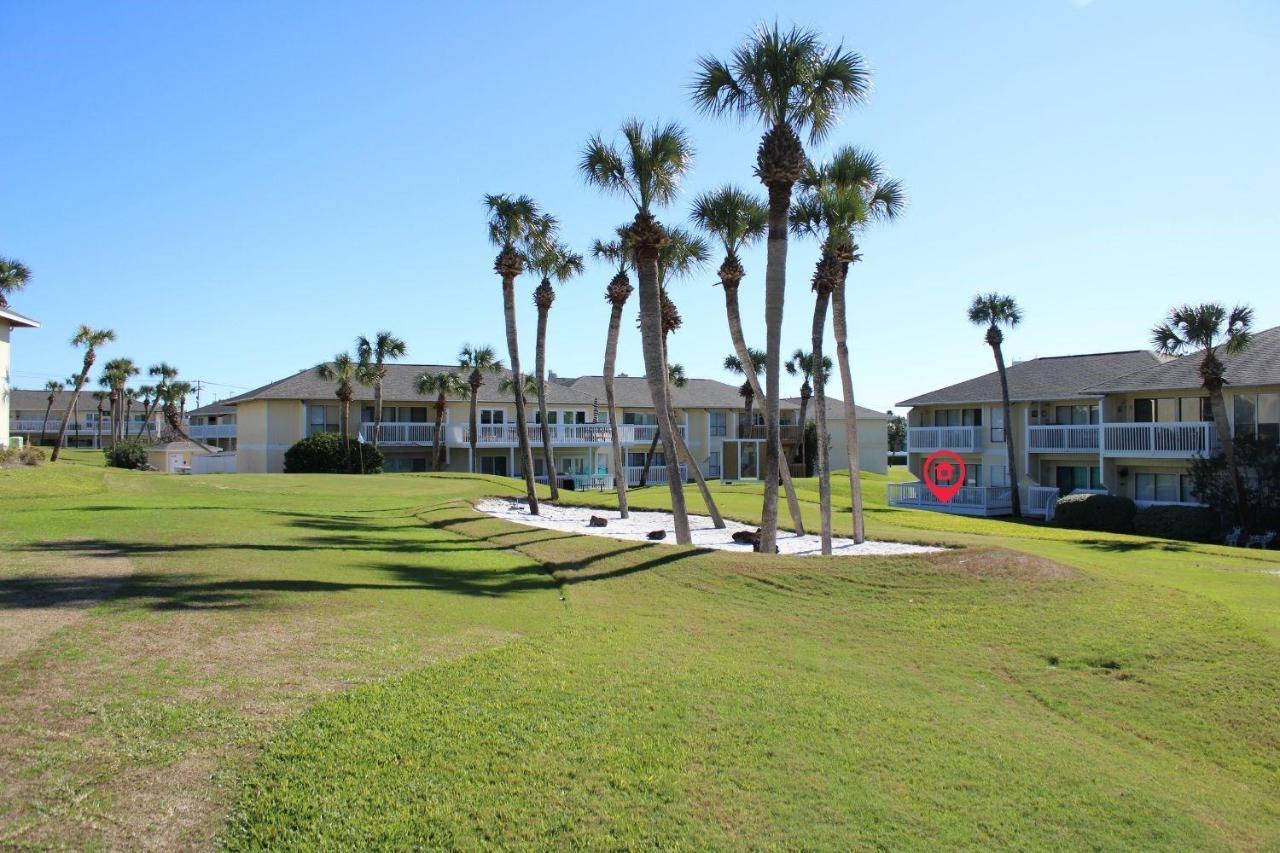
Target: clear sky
{"points": [[242, 188]]}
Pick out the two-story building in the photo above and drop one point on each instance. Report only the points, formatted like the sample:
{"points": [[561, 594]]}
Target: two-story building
{"points": [[9, 320], [87, 427], [709, 414], [1127, 423]]}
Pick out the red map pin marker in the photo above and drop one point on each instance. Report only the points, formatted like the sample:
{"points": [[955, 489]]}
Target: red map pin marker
{"points": [[944, 474]]}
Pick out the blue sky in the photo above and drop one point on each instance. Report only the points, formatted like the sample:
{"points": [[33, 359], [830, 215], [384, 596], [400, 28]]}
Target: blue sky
{"points": [[242, 188]]}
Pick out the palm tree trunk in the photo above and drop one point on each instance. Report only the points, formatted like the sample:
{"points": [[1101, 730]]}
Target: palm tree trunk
{"points": [[820, 416], [43, 423], [377, 413], [1219, 408], [740, 349], [775, 284], [436, 456], [522, 422], [1008, 433], [650, 236], [714, 511], [473, 439], [128, 413], [540, 367], [610, 360], [840, 327], [804, 412], [344, 426], [648, 457]]}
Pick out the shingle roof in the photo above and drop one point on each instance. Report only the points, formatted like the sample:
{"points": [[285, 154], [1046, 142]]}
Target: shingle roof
{"points": [[28, 400], [1061, 377], [633, 392], [398, 386], [222, 407], [1259, 364], [835, 409]]}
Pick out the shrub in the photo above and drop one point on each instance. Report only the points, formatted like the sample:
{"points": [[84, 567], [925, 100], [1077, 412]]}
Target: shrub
{"points": [[31, 455], [1259, 462], [1192, 523], [323, 453], [1106, 513], [130, 453]]}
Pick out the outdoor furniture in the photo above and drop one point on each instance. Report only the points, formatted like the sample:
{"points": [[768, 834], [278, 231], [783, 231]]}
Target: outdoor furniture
{"points": [[1234, 538], [1262, 540]]}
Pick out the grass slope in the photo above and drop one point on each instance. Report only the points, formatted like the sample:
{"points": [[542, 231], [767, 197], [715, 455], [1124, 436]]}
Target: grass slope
{"points": [[340, 661]]}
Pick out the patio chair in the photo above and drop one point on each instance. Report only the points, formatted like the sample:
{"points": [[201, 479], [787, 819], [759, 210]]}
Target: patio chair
{"points": [[1235, 538], [1262, 540]]}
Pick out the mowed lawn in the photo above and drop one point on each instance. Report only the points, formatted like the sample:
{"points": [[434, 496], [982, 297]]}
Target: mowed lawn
{"points": [[256, 661]]}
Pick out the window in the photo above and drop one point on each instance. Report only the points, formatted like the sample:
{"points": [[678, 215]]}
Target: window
{"points": [[553, 417], [719, 423], [321, 419], [1077, 415], [577, 416], [493, 465], [640, 418], [494, 417], [1194, 409], [973, 475], [957, 417], [1166, 488], [997, 428], [636, 460], [1072, 477], [713, 463], [1258, 415], [1148, 410], [998, 475]]}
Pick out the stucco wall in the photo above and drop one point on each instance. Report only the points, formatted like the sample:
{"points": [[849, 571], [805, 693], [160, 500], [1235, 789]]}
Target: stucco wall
{"points": [[265, 429]]}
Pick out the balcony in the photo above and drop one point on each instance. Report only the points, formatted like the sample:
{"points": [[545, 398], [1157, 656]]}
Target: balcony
{"points": [[969, 500], [1063, 438], [657, 474], [204, 432], [1160, 440], [404, 433], [640, 433], [790, 432], [961, 439]]}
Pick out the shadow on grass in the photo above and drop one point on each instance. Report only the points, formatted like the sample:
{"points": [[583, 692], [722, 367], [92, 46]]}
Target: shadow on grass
{"points": [[1116, 546]]}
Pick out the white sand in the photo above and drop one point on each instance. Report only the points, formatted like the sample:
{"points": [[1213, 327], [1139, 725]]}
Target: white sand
{"points": [[574, 520]]}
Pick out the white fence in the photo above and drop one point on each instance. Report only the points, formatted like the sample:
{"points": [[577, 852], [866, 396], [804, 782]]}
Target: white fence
{"points": [[969, 500], [205, 431], [657, 474], [400, 433], [1062, 438], [959, 438], [1170, 440]]}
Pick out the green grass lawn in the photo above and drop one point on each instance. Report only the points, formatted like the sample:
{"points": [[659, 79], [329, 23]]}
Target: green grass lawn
{"points": [[259, 661]]}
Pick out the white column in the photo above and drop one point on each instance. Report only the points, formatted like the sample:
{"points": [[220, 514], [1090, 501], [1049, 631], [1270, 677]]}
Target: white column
{"points": [[1102, 442]]}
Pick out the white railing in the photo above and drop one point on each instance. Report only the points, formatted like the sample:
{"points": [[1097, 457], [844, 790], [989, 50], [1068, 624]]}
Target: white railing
{"points": [[657, 474], [212, 430], [405, 432], [960, 438], [1039, 501], [969, 500], [1171, 440], [635, 433], [1063, 438], [54, 424]]}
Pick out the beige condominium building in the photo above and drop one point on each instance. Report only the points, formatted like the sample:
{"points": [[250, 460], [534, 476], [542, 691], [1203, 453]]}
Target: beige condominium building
{"points": [[265, 422], [88, 426], [9, 320], [1127, 423]]}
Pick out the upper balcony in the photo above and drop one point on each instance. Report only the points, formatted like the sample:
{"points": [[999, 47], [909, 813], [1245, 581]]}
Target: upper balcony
{"points": [[1063, 438], [1160, 440], [961, 439], [208, 431], [507, 435]]}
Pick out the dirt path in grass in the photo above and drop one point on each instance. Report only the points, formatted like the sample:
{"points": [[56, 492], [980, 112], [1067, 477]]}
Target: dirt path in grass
{"points": [[52, 590]]}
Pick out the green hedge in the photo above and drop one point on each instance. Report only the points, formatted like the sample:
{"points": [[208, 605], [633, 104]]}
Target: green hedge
{"points": [[129, 453], [323, 453], [1106, 513], [1192, 523]]}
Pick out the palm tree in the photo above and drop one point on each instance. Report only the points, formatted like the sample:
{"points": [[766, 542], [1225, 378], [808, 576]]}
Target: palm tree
{"points": [[149, 402], [994, 310], [791, 82], [374, 355], [173, 401], [90, 339], [553, 261], [751, 368], [54, 387], [130, 397], [515, 223], [1205, 328], [477, 361], [738, 219], [617, 294], [801, 364], [14, 276], [647, 170], [164, 373], [442, 385], [115, 375], [345, 371], [882, 200], [100, 398], [529, 388]]}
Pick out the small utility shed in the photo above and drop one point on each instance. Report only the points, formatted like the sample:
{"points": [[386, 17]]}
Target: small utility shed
{"points": [[174, 457]]}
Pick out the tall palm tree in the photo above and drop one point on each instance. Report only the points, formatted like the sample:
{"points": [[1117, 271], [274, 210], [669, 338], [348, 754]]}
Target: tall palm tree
{"points": [[738, 219], [375, 354], [882, 200], [1207, 328], [791, 82], [116, 373], [149, 402], [994, 310], [647, 170], [750, 368], [442, 386], [100, 397], [477, 361], [131, 396], [553, 261], [90, 339], [173, 403], [14, 276], [54, 388], [164, 373], [346, 372], [801, 364], [617, 293], [515, 223]]}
